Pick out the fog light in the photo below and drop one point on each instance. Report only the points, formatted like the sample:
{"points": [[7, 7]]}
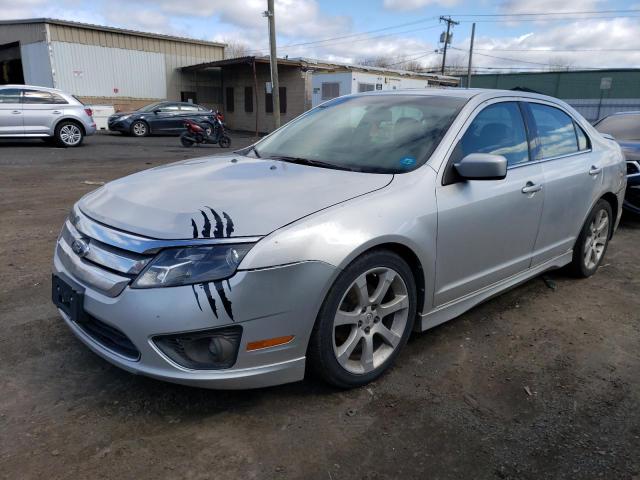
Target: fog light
{"points": [[204, 350]]}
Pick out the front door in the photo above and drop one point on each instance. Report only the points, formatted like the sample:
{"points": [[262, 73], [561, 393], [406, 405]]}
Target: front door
{"points": [[487, 228], [166, 119], [11, 112]]}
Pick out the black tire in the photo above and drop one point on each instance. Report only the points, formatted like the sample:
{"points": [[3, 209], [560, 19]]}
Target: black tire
{"points": [[139, 128], [68, 134], [581, 266], [321, 355], [186, 142], [225, 142]]}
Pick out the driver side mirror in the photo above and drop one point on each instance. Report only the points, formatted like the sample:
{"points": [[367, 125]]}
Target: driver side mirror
{"points": [[157, 111], [482, 166]]}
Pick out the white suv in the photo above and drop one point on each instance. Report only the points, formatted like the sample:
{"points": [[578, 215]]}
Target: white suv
{"points": [[27, 111]]}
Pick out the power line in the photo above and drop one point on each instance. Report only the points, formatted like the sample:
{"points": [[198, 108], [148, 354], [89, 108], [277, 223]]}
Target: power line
{"points": [[558, 50], [545, 14]]}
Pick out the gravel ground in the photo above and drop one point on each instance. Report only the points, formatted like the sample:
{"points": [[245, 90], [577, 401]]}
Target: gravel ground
{"points": [[541, 382]]}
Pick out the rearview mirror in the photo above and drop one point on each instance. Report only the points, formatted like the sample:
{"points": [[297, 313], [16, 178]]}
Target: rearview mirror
{"points": [[482, 166]]}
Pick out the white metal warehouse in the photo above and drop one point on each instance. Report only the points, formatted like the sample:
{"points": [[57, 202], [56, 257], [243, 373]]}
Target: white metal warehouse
{"points": [[104, 65]]}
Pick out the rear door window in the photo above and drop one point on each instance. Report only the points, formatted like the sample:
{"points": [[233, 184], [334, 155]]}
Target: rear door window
{"points": [[556, 132], [499, 130], [37, 97]]}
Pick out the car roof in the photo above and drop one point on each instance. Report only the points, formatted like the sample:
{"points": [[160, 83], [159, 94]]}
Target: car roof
{"points": [[466, 93], [35, 87], [630, 112]]}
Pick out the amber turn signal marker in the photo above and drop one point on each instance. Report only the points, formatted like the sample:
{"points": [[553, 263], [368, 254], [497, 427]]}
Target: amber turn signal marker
{"points": [[270, 342]]}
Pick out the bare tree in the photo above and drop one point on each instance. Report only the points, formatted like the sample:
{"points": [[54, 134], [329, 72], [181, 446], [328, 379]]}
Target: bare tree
{"points": [[561, 63], [235, 49], [379, 61]]}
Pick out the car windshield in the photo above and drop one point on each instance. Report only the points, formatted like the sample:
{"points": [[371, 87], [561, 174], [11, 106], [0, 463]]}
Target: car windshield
{"points": [[369, 133], [622, 127], [151, 107]]}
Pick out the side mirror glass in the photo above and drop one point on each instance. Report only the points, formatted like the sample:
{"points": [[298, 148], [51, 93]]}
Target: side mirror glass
{"points": [[482, 166]]}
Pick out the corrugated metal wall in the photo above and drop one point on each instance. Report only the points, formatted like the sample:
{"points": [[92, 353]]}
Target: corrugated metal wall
{"points": [[580, 84], [36, 65], [593, 109], [23, 33], [92, 71]]}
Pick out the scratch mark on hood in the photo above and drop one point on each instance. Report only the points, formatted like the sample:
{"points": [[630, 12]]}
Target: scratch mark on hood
{"points": [[217, 233], [195, 228], [206, 230], [230, 225]]}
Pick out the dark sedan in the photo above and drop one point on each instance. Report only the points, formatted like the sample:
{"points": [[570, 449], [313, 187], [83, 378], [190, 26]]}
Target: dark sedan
{"points": [[625, 128], [166, 118]]}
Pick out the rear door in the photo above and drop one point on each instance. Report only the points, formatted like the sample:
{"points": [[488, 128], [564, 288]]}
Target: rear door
{"points": [[41, 111], [487, 228], [11, 122], [572, 175]]}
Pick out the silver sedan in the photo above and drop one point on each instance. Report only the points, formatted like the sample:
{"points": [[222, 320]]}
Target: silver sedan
{"points": [[324, 245]]}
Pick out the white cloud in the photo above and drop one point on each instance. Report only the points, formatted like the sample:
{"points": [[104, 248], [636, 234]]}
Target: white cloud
{"points": [[560, 45], [406, 5], [546, 6]]}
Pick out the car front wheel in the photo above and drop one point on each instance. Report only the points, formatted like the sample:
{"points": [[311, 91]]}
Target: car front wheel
{"points": [[139, 128], [365, 320]]}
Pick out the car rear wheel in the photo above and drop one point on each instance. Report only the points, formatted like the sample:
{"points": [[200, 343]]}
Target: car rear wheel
{"points": [[593, 240], [365, 320], [140, 128], [68, 134]]}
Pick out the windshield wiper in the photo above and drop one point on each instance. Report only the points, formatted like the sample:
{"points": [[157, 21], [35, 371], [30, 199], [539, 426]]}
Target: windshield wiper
{"points": [[307, 161]]}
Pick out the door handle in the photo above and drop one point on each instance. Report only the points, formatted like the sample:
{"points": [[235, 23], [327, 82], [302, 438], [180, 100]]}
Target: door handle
{"points": [[56, 112], [16, 112], [594, 170], [531, 187]]}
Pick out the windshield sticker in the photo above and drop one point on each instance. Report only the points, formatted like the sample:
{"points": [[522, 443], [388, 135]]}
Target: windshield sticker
{"points": [[408, 162]]}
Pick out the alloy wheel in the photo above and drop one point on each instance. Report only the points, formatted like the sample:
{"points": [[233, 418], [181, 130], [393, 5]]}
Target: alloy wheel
{"points": [[370, 321], [596, 240], [70, 134], [139, 129]]}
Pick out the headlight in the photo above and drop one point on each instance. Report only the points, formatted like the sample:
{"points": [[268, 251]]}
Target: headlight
{"points": [[184, 266], [124, 117]]}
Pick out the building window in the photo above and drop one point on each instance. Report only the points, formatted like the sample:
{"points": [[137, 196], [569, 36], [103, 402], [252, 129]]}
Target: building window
{"points": [[230, 104], [268, 101], [248, 99], [330, 90], [366, 87]]}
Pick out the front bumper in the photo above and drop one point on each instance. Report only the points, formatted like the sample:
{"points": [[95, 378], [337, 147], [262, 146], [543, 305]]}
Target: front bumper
{"points": [[119, 125], [267, 303], [632, 195]]}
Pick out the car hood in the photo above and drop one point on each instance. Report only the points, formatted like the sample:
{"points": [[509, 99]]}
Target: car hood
{"points": [[222, 196]]}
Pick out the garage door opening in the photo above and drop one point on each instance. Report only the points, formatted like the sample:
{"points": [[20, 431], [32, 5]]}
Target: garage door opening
{"points": [[11, 64]]}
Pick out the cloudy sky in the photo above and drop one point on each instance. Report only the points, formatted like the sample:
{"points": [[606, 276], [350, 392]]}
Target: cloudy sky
{"points": [[510, 34]]}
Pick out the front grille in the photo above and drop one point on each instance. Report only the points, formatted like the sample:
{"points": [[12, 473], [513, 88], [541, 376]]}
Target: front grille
{"points": [[109, 337]]}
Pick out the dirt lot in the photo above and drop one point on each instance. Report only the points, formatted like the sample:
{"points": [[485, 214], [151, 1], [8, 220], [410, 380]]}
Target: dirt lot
{"points": [[542, 382]]}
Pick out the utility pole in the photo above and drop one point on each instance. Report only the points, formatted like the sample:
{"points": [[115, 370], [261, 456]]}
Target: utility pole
{"points": [[473, 34], [446, 38], [275, 86]]}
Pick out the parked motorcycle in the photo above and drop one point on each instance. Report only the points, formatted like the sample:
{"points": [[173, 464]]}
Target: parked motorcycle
{"points": [[196, 133]]}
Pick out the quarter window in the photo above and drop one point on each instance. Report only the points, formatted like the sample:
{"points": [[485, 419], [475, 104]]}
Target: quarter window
{"points": [[583, 140], [499, 130], [556, 132]]}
